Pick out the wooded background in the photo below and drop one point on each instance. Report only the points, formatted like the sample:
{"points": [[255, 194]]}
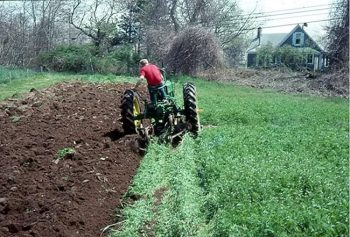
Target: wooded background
{"points": [[112, 35]]}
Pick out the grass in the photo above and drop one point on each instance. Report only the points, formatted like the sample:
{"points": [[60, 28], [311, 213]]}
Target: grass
{"points": [[265, 164], [15, 83], [8, 74]]}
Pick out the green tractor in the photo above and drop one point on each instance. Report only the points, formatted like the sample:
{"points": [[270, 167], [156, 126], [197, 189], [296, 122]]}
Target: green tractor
{"points": [[164, 119]]}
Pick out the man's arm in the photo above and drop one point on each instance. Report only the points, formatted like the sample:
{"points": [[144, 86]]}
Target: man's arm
{"points": [[161, 72], [138, 83]]}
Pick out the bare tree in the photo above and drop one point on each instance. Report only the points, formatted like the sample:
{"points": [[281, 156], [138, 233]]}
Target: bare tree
{"points": [[152, 25], [338, 49], [338, 34], [173, 6], [45, 15], [29, 28], [98, 20], [13, 40], [222, 17]]}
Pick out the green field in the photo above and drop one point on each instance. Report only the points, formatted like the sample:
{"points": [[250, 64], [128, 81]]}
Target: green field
{"points": [[16, 82], [265, 164]]}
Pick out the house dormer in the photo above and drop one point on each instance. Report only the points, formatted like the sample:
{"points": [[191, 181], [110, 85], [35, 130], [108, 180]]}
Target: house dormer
{"points": [[298, 39]]}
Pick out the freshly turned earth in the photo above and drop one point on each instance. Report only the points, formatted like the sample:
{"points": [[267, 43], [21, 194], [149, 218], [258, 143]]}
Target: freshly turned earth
{"points": [[41, 195]]}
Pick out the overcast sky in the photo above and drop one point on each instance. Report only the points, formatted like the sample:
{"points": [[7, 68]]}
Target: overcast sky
{"points": [[282, 12]]}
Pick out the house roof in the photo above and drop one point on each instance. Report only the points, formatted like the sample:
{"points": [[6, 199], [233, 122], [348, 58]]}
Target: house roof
{"points": [[296, 28], [273, 38], [288, 35], [276, 39]]}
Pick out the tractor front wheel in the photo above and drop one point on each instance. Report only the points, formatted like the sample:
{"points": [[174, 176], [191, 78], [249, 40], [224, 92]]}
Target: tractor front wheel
{"points": [[191, 108], [130, 108]]}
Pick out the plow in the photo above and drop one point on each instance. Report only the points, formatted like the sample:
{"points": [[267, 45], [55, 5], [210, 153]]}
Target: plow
{"points": [[164, 119]]}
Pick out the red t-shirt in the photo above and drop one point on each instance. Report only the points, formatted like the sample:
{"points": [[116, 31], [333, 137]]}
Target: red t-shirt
{"points": [[152, 74]]}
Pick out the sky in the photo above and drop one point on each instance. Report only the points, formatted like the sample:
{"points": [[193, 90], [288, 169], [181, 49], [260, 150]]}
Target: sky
{"points": [[282, 12], [287, 12]]}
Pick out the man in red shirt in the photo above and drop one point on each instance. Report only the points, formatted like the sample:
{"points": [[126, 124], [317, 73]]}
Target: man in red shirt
{"points": [[154, 79]]}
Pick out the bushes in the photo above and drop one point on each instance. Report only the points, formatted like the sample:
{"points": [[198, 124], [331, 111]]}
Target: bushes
{"points": [[293, 58], [265, 55], [68, 59], [194, 50], [72, 58], [126, 59]]}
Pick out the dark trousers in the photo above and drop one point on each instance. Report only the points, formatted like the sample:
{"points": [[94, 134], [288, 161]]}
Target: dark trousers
{"points": [[156, 92]]}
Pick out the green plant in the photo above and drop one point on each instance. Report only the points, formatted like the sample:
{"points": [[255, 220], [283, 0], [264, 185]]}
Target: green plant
{"points": [[126, 59], [265, 55], [69, 58], [294, 58], [65, 153], [291, 57]]}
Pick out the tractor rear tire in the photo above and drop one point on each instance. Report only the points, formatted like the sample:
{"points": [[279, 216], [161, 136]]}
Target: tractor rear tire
{"points": [[127, 112], [191, 108]]}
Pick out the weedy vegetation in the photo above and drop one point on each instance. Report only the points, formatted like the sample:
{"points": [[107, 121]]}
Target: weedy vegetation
{"points": [[8, 74], [65, 153], [24, 80], [265, 164]]}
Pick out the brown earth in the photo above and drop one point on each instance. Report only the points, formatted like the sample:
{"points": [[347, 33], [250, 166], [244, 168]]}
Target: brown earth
{"points": [[41, 195]]}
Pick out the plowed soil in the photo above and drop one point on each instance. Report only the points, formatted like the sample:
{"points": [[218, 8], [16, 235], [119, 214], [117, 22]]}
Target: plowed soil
{"points": [[44, 195]]}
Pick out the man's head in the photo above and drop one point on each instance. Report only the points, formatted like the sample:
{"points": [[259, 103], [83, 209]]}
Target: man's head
{"points": [[143, 62]]}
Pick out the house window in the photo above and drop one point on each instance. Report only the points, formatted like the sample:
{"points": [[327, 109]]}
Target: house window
{"points": [[310, 59], [298, 39], [277, 59], [326, 62]]}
